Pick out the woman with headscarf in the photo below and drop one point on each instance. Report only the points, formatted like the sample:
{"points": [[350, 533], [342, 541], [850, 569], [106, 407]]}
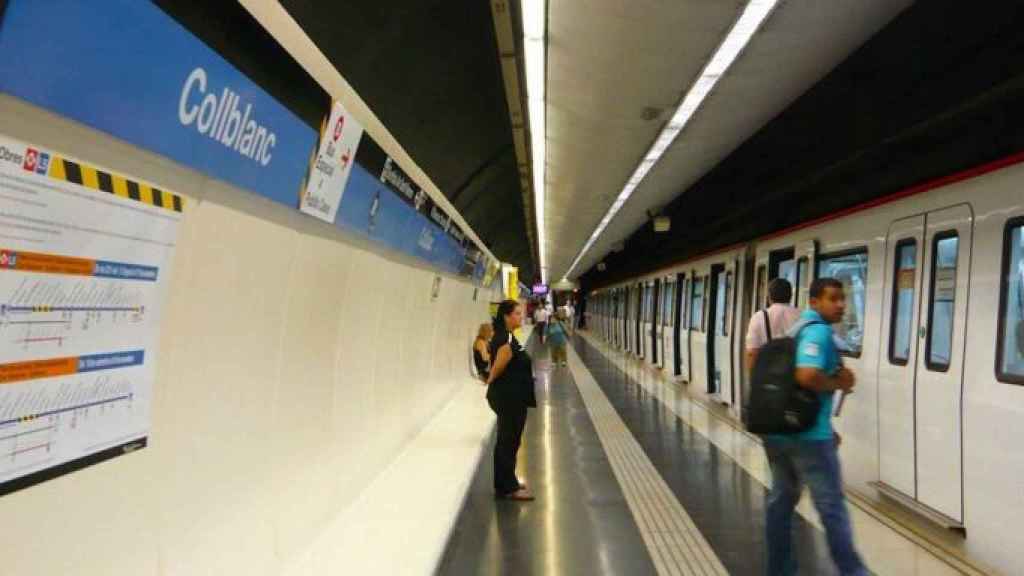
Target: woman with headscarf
{"points": [[509, 393]]}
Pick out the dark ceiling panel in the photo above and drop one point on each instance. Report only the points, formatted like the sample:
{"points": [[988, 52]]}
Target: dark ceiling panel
{"points": [[429, 70], [939, 90]]}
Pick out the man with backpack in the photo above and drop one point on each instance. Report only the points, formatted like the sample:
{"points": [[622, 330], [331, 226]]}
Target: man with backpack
{"points": [[809, 456]]}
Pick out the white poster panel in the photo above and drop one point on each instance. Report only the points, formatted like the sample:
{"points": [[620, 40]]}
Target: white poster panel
{"points": [[329, 174], [85, 255]]}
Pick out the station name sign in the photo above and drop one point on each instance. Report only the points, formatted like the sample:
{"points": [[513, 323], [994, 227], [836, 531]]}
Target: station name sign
{"points": [[156, 86]]}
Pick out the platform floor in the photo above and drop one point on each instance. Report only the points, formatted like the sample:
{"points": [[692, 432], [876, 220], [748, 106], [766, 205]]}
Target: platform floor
{"points": [[633, 478]]}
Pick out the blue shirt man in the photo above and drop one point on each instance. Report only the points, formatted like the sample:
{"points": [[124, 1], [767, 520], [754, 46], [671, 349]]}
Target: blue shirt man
{"points": [[816, 348], [810, 457]]}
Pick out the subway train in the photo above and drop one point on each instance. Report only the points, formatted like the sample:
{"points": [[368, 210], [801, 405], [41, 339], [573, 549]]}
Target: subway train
{"points": [[934, 330]]}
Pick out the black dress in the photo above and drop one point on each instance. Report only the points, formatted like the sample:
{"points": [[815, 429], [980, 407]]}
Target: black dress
{"points": [[509, 396]]}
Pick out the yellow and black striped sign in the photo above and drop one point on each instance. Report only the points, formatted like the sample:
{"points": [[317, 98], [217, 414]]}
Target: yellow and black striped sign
{"points": [[91, 177]]}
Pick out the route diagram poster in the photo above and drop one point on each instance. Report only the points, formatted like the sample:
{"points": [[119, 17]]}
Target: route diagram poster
{"points": [[84, 261]]}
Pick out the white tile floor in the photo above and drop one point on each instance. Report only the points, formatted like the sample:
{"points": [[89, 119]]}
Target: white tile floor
{"points": [[885, 549]]}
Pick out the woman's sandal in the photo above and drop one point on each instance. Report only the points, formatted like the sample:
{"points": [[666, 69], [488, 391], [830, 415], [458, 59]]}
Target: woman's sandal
{"points": [[521, 495]]}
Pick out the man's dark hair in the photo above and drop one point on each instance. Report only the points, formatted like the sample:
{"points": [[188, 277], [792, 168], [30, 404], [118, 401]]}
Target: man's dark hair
{"points": [[819, 285], [779, 291]]}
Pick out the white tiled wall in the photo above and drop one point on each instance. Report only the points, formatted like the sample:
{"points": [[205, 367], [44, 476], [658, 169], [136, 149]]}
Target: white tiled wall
{"points": [[294, 365]]}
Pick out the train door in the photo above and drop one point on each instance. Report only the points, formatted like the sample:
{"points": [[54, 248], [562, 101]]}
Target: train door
{"points": [[921, 365], [719, 357], [667, 357], [653, 350], [681, 329], [631, 302], [626, 307], [693, 310], [606, 315], [620, 313], [645, 324], [641, 320], [613, 333], [630, 295], [638, 321]]}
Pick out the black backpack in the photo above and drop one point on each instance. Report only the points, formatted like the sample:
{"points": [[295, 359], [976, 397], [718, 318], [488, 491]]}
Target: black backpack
{"points": [[777, 404]]}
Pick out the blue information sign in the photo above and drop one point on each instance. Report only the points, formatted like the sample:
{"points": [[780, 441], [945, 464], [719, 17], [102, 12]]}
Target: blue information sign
{"points": [[125, 67]]}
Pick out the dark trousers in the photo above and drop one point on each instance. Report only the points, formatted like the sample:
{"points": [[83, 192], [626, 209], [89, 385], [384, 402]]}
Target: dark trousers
{"points": [[511, 422], [540, 328]]}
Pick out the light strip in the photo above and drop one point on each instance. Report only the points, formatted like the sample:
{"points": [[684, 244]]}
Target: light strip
{"points": [[754, 14], [534, 38]]}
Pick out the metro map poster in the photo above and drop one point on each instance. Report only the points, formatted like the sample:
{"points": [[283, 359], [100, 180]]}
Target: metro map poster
{"points": [[84, 260]]}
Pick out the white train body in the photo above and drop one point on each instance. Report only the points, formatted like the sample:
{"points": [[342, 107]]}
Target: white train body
{"points": [[934, 294]]}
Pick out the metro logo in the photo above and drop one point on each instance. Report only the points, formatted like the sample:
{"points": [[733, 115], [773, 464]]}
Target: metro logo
{"points": [[8, 259], [43, 163], [338, 127], [31, 155]]}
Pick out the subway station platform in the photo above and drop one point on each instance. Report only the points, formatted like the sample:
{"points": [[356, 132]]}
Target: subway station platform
{"points": [[633, 476]]}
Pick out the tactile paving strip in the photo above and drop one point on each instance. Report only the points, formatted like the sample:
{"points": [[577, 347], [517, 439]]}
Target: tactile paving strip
{"points": [[675, 544]]}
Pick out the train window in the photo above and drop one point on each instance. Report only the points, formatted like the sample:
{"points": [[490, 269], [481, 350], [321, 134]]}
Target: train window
{"points": [[850, 268], [697, 304], [1010, 348], [727, 302], [901, 329], [705, 325], [684, 304], [762, 281], [938, 349], [803, 282], [669, 304], [787, 270], [650, 304], [718, 326]]}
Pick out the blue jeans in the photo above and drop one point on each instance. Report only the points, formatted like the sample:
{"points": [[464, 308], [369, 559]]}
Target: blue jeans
{"points": [[816, 464]]}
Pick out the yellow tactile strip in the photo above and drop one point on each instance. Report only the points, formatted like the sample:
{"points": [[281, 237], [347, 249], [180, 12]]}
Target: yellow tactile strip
{"points": [[675, 544]]}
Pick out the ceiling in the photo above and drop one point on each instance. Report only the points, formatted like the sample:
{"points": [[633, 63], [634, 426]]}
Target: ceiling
{"points": [[429, 71], [616, 71], [938, 91]]}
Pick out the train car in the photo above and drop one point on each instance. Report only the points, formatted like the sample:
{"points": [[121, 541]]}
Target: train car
{"points": [[933, 330]]}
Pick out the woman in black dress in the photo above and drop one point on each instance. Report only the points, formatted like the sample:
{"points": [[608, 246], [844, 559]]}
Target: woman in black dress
{"points": [[509, 392]]}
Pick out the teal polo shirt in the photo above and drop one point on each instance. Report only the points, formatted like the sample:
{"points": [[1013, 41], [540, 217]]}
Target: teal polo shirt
{"points": [[816, 348]]}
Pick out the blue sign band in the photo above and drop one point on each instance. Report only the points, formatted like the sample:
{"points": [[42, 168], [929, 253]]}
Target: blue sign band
{"points": [[127, 68]]}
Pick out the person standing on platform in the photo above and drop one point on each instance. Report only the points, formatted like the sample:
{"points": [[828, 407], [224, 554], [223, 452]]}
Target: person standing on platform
{"points": [[811, 457], [481, 351], [540, 320], [775, 320], [558, 337], [510, 391], [570, 316]]}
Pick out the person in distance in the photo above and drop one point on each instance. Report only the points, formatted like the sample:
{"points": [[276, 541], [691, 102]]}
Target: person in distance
{"points": [[481, 352], [776, 319], [558, 338]]}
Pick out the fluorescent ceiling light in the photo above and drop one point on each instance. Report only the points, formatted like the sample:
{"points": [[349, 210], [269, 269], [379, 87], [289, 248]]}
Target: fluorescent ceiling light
{"points": [[534, 56], [754, 14]]}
